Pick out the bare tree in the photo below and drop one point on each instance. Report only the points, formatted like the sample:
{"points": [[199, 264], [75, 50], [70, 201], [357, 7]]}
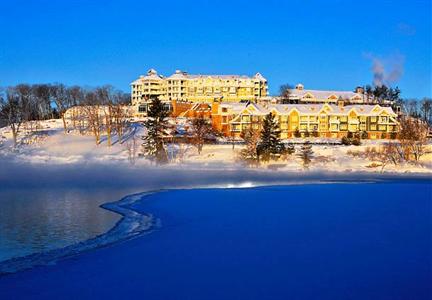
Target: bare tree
{"points": [[426, 110], [76, 98], [201, 129], [391, 153], [119, 116], [412, 137], [93, 112], [13, 110], [62, 101], [252, 139], [132, 149], [42, 96]]}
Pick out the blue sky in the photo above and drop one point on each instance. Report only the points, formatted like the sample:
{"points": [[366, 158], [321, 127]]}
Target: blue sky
{"points": [[323, 44]]}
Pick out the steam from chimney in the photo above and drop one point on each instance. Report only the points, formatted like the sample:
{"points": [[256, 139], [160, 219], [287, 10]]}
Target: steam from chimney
{"points": [[387, 71], [378, 72]]}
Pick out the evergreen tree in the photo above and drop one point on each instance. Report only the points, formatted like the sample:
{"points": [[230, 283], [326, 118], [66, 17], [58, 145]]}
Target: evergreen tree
{"points": [[270, 142], [306, 154], [156, 125], [289, 149]]}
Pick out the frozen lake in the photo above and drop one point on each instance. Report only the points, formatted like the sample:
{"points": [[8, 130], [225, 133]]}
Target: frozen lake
{"points": [[40, 219], [314, 241]]}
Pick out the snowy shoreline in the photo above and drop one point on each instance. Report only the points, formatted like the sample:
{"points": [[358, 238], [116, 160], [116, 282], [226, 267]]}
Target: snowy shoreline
{"points": [[131, 225]]}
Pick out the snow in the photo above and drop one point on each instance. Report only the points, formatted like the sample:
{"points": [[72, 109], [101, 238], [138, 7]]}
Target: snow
{"points": [[51, 146]]}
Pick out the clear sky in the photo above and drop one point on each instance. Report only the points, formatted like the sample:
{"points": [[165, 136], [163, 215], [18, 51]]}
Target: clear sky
{"points": [[322, 44]]}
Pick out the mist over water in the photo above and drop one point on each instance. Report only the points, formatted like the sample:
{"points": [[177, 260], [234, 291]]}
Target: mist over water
{"points": [[43, 207]]}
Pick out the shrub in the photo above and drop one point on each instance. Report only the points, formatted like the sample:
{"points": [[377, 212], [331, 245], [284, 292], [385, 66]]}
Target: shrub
{"points": [[364, 135], [350, 141], [345, 141], [356, 142]]}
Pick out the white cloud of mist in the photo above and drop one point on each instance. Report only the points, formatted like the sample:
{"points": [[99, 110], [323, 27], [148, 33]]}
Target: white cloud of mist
{"points": [[17, 175], [386, 70]]}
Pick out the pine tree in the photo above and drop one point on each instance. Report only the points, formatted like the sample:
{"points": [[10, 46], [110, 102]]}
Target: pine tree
{"points": [[156, 125], [306, 154], [270, 142], [289, 149]]}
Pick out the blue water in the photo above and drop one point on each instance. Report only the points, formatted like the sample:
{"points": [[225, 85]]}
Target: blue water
{"points": [[41, 219], [333, 241]]}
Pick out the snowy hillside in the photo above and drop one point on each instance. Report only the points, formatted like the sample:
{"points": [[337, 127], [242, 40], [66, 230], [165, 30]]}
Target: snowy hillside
{"points": [[50, 145]]}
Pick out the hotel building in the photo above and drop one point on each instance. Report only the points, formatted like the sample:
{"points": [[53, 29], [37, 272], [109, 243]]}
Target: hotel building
{"points": [[319, 120], [184, 87]]}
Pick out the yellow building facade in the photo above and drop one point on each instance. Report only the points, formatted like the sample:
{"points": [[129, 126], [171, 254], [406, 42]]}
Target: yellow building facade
{"points": [[318, 120], [182, 86]]}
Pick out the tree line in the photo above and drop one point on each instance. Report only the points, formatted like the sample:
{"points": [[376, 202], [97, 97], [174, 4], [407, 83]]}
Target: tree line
{"points": [[26, 104]]}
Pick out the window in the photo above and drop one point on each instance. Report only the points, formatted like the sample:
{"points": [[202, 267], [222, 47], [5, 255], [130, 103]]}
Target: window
{"points": [[245, 118], [383, 119], [142, 108], [224, 109], [235, 127], [373, 119], [352, 128]]}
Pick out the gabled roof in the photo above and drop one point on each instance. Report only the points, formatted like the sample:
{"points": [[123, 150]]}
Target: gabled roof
{"points": [[310, 109], [323, 95], [151, 75]]}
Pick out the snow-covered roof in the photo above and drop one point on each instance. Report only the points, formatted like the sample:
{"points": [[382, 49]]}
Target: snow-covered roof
{"points": [[309, 109], [183, 75], [259, 77], [151, 75], [324, 95]]}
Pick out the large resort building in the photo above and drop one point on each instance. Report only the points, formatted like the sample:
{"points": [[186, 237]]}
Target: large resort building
{"points": [[184, 87], [236, 103]]}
